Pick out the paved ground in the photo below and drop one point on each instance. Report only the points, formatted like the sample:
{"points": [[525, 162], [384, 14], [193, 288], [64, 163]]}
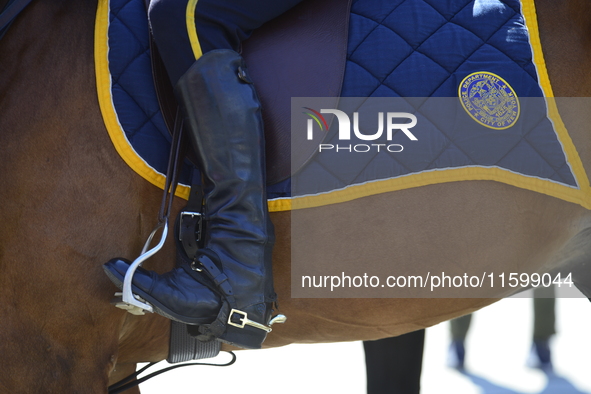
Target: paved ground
{"points": [[497, 348]]}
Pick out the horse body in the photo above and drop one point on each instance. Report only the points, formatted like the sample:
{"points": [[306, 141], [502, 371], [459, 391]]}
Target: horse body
{"points": [[69, 204]]}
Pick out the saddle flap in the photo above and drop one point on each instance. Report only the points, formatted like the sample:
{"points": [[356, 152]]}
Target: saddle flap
{"points": [[302, 53]]}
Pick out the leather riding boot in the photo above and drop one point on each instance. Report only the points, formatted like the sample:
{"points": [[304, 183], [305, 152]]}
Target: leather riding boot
{"points": [[228, 289]]}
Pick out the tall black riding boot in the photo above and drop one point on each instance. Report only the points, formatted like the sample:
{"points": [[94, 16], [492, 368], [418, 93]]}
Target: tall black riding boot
{"points": [[229, 287]]}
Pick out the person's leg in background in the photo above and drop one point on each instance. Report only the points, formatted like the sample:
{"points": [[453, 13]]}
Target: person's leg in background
{"points": [[457, 350], [544, 328], [393, 365]]}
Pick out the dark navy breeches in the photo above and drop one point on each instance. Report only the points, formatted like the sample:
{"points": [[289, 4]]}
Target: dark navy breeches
{"points": [[185, 29]]}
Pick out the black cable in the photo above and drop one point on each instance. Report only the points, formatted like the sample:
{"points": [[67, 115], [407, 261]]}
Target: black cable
{"points": [[115, 386], [125, 384]]}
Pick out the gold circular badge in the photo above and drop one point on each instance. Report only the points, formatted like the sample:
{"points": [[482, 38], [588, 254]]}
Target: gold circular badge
{"points": [[489, 100]]}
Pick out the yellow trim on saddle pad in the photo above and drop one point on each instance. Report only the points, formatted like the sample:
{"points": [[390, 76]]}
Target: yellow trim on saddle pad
{"points": [[103, 84]]}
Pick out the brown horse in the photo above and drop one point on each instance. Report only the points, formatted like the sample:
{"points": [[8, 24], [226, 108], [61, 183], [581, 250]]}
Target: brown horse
{"points": [[69, 203]]}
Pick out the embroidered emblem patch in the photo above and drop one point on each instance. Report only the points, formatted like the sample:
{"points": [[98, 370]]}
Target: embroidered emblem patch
{"points": [[489, 100]]}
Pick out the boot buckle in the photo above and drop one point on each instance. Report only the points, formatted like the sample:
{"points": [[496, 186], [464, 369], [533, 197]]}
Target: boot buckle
{"points": [[244, 320], [190, 229], [191, 220]]}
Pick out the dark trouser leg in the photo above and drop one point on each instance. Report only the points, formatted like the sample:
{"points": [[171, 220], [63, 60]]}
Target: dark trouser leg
{"points": [[457, 350], [459, 327], [544, 313], [544, 327], [394, 365], [219, 24]]}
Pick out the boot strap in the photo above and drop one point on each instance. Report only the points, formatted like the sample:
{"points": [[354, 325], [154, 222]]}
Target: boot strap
{"points": [[214, 330], [204, 260], [228, 314]]}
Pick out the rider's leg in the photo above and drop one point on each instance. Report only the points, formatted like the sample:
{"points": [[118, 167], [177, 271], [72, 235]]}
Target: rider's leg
{"points": [[222, 112], [186, 29]]}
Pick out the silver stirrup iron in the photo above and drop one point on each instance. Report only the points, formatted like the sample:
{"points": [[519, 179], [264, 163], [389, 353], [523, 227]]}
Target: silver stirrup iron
{"points": [[129, 301]]}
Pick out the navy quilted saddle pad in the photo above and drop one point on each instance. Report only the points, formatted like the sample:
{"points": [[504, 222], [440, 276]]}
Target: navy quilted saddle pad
{"points": [[484, 56]]}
